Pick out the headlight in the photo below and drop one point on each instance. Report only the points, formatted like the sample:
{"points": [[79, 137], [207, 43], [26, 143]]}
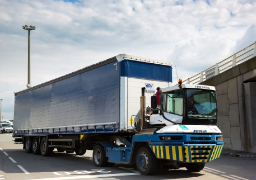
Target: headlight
{"points": [[219, 138]]}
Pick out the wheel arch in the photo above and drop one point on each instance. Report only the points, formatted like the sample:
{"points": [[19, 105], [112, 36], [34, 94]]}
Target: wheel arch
{"points": [[135, 148]]}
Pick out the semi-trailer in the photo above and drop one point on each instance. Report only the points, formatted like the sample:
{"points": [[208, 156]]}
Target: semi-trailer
{"points": [[127, 111]]}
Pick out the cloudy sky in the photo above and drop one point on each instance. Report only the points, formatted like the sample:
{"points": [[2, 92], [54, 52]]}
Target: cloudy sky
{"points": [[69, 35]]}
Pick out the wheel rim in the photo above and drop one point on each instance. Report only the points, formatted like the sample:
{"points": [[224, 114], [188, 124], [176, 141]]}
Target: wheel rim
{"points": [[142, 161], [35, 146], [27, 144], [43, 148], [97, 156]]}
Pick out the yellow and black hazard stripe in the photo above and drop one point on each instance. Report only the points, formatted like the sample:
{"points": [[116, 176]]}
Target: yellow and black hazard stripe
{"points": [[187, 153]]}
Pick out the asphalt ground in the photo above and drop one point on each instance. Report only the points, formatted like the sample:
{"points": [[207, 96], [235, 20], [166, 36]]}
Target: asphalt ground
{"points": [[15, 164]]}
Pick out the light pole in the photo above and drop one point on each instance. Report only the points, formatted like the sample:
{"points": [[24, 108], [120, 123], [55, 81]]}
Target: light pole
{"points": [[1, 109], [28, 28]]}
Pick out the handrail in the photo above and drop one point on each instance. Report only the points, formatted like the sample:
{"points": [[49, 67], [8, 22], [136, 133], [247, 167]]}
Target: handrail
{"points": [[224, 65]]}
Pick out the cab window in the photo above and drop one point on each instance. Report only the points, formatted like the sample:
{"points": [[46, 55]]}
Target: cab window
{"points": [[174, 102]]}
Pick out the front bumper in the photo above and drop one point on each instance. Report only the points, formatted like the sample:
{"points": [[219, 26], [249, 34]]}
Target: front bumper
{"points": [[187, 153], [8, 130]]}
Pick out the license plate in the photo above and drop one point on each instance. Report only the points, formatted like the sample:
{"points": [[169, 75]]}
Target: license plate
{"points": [[200, 131]]}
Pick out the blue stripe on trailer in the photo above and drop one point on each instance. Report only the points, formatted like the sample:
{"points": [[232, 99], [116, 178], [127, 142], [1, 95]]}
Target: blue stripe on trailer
{"points": [[144, 70]]}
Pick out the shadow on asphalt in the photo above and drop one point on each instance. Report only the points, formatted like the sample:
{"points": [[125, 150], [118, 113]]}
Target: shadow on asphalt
{"points": [[65, 162]]}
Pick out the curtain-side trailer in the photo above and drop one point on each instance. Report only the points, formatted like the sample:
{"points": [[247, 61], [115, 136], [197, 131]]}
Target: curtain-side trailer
{"points": [[126, 111]]}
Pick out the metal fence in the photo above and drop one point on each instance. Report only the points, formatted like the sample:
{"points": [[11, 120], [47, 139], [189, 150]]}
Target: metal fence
{"points": [[233, 60]]}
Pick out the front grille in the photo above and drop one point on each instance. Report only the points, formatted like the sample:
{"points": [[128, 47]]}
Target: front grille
{"points": [[200, 149], [199, 158], [200, 154]]}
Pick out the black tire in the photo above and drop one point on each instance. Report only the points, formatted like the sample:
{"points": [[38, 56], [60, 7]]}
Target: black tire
{"points": [[44, 149], [99, 156], [195, 167], [28, 145], [109, 164], [36, 146], [80, 152], [146, 161]]}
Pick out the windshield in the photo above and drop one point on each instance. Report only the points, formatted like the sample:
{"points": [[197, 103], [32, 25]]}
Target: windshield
{"points": [[201, 104], [6, 125]]}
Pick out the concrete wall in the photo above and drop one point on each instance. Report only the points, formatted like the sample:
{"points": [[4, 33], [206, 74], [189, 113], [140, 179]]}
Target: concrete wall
{"points": [[236, 98]]}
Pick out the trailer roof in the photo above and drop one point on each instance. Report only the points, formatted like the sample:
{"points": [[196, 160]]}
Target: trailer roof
{"points": [[119, 58]]}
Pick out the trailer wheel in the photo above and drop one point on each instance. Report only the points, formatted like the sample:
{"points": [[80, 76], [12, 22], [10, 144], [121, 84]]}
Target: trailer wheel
{"points": [[99, 156], [146, 161], [45, 150], [195, 167], [36, 146], [28, 145]]}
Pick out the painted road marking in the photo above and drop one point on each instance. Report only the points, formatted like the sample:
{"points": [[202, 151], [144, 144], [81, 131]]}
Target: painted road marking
{"points": [[90, 176], [5, 153], [82, 172], [58, 173], [237, 177], [99, 171], [12, 160], [223, 174], [24, 170]]}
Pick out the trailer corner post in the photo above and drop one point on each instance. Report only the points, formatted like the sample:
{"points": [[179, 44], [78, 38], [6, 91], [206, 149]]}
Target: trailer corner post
{"points": [[142, 108]]}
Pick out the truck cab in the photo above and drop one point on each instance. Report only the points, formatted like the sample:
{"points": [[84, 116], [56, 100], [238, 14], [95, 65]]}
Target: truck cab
{"points": [[187, 104], [185, 135]]}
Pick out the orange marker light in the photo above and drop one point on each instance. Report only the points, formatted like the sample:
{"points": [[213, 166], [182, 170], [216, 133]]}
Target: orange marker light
{"points": [[180, 80]]}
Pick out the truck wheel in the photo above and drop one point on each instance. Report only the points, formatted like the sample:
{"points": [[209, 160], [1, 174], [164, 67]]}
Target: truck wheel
{"points": [[195, 167], [45, 150], [80, 152], [36, 146], [28, 145], [99, 156], [146, 161]]}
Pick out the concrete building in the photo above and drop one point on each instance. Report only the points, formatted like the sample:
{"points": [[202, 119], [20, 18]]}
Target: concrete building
{"points": [[236, 98]]}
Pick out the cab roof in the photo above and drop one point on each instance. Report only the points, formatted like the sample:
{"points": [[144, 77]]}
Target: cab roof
{"points": [[188, 86]]}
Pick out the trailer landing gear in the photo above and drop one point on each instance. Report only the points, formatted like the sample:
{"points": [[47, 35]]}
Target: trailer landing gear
{"points": [[80, 151]]}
